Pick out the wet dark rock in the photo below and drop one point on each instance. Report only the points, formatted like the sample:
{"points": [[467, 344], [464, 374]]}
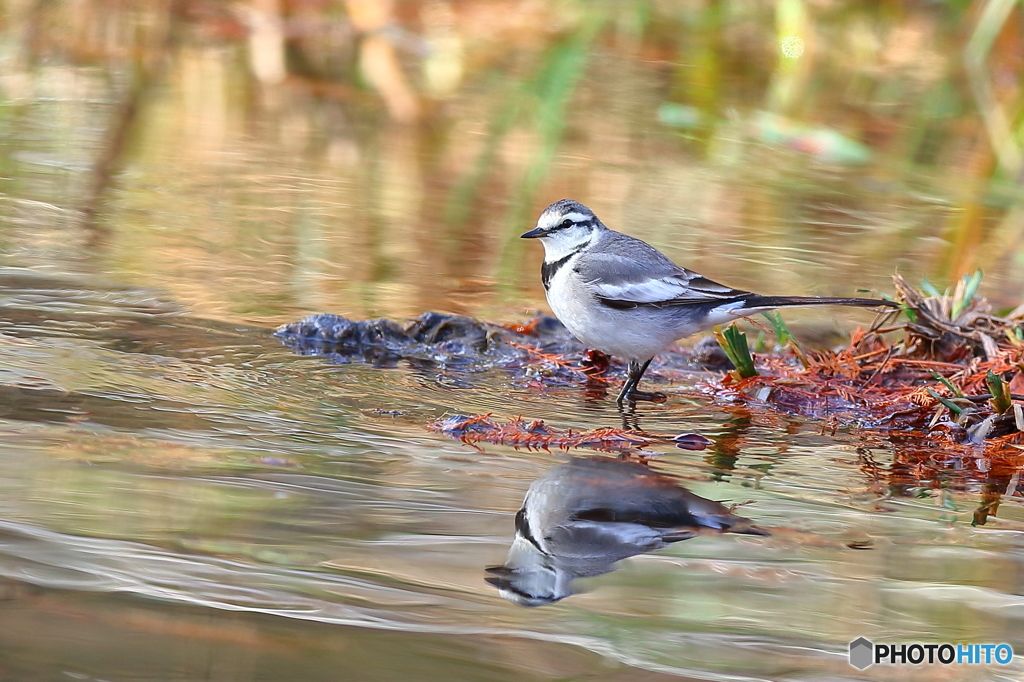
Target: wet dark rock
{"points": [[327, 334], [457, 331], [461, 343], [545, 325], [435, 337]]}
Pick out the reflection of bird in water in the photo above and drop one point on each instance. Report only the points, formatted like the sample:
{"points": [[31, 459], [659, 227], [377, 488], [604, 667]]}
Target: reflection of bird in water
{"points": [[581, 517]]}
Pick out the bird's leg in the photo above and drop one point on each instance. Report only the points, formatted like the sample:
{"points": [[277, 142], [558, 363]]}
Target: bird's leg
{"points": [[633, 375]]}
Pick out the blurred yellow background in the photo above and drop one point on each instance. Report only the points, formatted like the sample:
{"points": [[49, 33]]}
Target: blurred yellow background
{"points": [[260, 160]]}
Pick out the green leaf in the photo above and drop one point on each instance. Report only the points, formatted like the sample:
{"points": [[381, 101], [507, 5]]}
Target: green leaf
{"points": [[734, 343], [929, 288], [946, 402], [947, 383], [1000, 391], [782, 332], [972, 282]]}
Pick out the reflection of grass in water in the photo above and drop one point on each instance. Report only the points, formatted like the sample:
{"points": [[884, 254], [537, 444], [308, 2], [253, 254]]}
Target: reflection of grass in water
{"points": [[464, 193], [554, 87], [545, 97]]}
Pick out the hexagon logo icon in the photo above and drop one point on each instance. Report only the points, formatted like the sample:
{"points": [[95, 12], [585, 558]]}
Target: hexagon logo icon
{"points": [[861, 653]]}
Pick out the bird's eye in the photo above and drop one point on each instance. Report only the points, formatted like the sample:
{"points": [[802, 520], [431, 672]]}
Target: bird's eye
{"points": [[566, 223]]}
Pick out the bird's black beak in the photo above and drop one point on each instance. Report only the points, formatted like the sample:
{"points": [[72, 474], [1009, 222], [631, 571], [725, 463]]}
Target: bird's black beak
{"points": [[534, 233]]}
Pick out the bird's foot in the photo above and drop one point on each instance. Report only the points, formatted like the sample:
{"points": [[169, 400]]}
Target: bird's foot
{"points": [[646, 396]]}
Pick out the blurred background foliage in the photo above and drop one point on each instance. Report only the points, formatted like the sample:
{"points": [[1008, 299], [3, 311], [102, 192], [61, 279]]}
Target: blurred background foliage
{"points": [[261, 159]]}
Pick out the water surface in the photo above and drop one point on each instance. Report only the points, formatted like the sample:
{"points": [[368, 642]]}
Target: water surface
{"points": [[184, 498]]}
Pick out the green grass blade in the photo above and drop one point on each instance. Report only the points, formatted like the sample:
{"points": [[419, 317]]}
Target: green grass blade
{"points": [[1000, 391], [972, 282], [779, 326], [929, 288], [734, 343], [947, 383], [946, 402]]}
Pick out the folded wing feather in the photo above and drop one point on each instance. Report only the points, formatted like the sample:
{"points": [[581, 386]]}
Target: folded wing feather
{"points": [[619, 280]]}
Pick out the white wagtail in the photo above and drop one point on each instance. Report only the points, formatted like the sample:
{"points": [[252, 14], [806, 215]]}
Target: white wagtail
{"points": [[622, 296]]}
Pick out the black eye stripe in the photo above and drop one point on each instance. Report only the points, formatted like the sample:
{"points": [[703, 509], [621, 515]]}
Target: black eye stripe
{"points": [[567, 223]]}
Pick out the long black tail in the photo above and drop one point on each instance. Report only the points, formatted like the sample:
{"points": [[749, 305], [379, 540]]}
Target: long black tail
{"points": [[757, 301]]}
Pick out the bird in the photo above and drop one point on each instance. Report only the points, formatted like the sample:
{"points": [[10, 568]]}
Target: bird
{"points": [[620, 295], [584, 515]]}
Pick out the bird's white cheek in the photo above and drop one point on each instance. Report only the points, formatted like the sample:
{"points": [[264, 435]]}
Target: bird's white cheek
{"points": [[560, 246]]}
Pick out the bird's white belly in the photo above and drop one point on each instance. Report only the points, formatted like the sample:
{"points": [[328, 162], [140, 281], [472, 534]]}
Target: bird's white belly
{"points": [[629, 334]]}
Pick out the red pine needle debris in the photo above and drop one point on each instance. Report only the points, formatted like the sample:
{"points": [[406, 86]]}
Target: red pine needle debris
{"points": [[527, 329], [889, 387], [558, 361], [535, 435]]}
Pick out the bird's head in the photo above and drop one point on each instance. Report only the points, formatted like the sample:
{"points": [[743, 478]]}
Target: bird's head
{"points": [[530, 577], [564, 227]]}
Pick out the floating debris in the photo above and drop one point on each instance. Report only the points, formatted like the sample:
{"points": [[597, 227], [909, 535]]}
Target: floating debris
{"points": [[691, 441], [389, 413], [536, 435]]}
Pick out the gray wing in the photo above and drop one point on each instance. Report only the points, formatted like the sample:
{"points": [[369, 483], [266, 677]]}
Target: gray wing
{"points": [[614, 541], [626, 272]]}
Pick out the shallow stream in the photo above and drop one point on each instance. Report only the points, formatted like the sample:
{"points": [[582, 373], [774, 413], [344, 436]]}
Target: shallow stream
{"points": [[184, 498]]}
